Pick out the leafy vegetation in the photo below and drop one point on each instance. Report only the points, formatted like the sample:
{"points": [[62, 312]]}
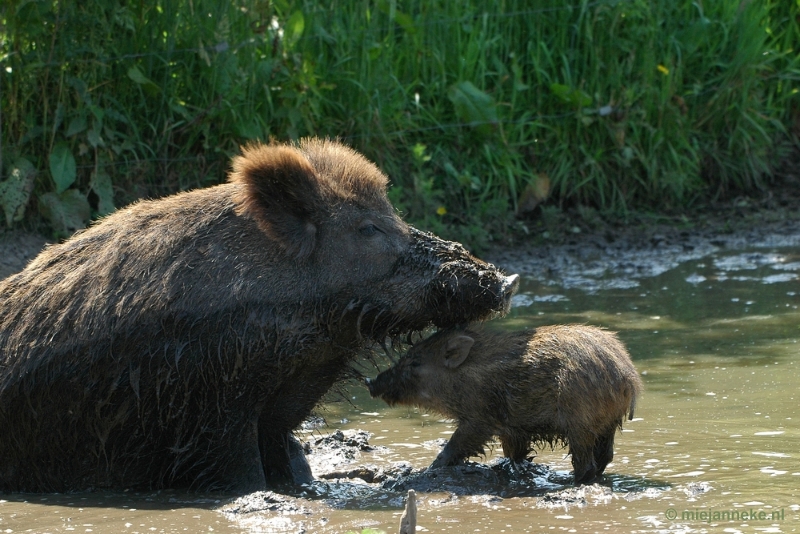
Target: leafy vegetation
{"points": [[478, 115]]}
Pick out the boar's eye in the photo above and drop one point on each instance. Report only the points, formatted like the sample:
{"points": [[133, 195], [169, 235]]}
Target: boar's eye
{"points": [[369, 229], [415, 363]]}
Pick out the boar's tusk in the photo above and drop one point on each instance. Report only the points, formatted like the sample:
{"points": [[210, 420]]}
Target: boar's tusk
{"points": [[511, 284]]}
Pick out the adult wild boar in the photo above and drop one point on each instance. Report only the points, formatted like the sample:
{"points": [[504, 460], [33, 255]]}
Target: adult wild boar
{"points": [[572, 384], [178, 342]]}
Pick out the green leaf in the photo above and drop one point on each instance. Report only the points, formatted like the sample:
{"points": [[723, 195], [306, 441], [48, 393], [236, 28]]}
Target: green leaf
{"points": [[249, 128], [294, 28], [561, 91], [62, 167], [518, 83], [76, 125], [568, 95], [226, 73], [374, 51], [418, 150], [99, 112], [67, 212], [16, 191], [582, 99], [138, 77], [179, 107], [405, 22], [104, 189], [694, 36], [94, 137], [473, 106]]}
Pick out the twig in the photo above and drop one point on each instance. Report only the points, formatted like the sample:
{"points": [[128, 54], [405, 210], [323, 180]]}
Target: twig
{"points": [[408, 522]]}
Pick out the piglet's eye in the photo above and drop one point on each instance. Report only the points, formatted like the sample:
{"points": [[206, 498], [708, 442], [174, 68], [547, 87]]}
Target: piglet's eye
{"points": [[368, 230]]}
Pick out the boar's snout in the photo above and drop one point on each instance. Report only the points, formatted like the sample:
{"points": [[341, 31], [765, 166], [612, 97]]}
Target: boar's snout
{"points": [[468, 298], [440, 282], [379, 386], [374, 386], [370, 382]]}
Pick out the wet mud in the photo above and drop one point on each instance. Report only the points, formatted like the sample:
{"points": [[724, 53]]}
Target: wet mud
{"points": [[351, 475]]}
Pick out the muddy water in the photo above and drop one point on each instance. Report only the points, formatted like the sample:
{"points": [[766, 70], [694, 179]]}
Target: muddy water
{"points": [[713, 447]]}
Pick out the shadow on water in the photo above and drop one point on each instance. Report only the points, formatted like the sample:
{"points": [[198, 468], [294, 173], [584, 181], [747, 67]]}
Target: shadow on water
{"points": [[107, 511], [140, 500]]}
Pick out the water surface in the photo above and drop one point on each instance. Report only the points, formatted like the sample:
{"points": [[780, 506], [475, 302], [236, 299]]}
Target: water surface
{"points": [[713, 446]]}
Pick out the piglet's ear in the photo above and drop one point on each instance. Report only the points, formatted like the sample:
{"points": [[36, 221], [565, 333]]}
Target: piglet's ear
{"points": [[281, 193], [457, 350]]}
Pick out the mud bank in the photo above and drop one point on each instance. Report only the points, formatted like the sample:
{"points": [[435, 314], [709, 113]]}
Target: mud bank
{"points": [[609, 258]]}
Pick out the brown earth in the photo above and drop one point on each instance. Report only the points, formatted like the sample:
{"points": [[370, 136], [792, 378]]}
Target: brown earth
{"points": [[571, 241], [17, 248]]}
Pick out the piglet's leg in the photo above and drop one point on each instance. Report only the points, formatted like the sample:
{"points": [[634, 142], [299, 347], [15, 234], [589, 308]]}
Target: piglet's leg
{"points": [[468, 440]]}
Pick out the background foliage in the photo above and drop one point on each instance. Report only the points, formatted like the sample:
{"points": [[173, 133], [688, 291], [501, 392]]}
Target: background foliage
{"points": [[481, 117]]}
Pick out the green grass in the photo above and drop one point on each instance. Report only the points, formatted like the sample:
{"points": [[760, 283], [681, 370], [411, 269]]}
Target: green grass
{"points": [[476, 115]]}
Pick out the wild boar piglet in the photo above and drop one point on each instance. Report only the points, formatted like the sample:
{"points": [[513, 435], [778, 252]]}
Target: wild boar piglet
{"points": [[571, 384]]}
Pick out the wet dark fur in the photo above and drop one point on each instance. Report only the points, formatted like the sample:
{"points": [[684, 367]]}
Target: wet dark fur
{"points": [[178, 342], [569, 384]]}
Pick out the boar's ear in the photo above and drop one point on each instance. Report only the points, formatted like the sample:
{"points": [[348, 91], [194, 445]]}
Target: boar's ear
{"points": [[282, 193], [457, 350]]}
